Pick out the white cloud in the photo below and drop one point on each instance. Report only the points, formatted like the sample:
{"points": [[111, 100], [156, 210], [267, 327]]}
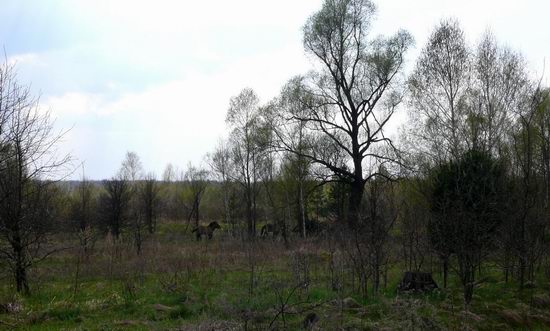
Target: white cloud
{"points": [[24, 59], [72, 104], [177, 121], [156, 77]]}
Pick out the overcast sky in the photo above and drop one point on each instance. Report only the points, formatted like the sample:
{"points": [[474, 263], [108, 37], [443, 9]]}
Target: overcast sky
{"points": [[155, 77]]}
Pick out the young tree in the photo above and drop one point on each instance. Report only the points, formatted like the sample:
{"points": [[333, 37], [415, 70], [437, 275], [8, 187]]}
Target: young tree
{"points": [[131, 172], [414, 214], [297, 167], [498, 87], [149, 197], [169, 173], [462, 99], [220, 165], [115, 204], [380, 218], [83, 204], [468, 203], [295, 175], [439, 89], [248, 149], [197, 179], [348, 102], [131, 168], [171, 183], [528, 223], [83, 211]]}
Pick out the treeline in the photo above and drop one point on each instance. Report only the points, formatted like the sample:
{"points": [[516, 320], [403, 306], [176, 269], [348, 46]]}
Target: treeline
{"points": [[465, 188], [131, 202]]}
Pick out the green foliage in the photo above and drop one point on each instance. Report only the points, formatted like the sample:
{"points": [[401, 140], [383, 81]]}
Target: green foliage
{"points": [[467, 201]]}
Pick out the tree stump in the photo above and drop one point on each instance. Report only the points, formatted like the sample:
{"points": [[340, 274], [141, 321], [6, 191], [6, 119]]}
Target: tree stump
{"points": [[416, 281]]}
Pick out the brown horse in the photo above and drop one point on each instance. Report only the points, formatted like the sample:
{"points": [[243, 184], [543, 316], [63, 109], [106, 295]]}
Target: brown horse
{"points": [[207, 231]]}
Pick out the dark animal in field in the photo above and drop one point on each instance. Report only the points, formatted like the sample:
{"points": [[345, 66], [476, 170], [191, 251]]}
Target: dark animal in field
{"points": [[269, 229], [206, 231], [416, 281]]}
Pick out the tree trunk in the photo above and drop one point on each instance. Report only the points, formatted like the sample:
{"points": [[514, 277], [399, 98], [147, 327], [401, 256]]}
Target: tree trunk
{"points": [[249, 221], [376, 281], [468, 283], [150, 217], [302, 209], [254, 212], [355, 199], [227, 214], [445, 271], [196, 210], [20, 271]]}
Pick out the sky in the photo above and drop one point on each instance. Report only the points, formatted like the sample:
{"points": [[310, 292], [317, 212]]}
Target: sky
{"points": [[155, 77]]}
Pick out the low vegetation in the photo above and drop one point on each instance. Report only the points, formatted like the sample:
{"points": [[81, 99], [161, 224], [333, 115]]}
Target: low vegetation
{"points": [[228, 284]]}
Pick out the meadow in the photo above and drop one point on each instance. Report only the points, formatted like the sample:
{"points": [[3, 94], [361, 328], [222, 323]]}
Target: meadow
{"points": [[178, 283]]}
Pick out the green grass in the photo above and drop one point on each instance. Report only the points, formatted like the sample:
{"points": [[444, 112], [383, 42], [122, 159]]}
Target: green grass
{"points": [[187, 283]]}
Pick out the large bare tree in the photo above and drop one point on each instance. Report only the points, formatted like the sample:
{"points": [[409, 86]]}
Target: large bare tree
{"points": [[347, 102]]}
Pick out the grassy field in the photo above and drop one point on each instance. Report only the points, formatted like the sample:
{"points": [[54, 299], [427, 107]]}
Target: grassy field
{"points": [[225, 284]]}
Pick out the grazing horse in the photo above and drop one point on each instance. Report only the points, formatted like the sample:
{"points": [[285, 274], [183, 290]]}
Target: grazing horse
{"points": [[268, 229], [207, 231]]}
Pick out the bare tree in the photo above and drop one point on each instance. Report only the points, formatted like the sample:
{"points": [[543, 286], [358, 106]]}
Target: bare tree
{"points": [[220, 165], [197, 179], [149, 196], [115, 204], [380, 217], [245, 121], [528, 221], [462, 100], [171, 185], [131, 172], [84, 212], [169, 173], [439, 89], [543, 161], [348, 102], [28, 162], [131, 168], [498, 86], [297, 166]]}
